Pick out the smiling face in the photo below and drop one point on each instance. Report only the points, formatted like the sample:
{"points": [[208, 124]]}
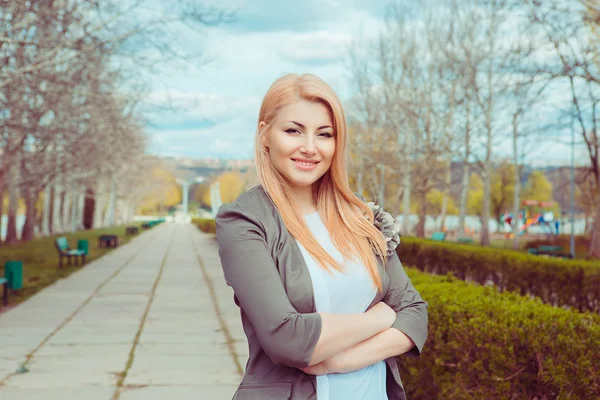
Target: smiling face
{"points": [[301, 142]]}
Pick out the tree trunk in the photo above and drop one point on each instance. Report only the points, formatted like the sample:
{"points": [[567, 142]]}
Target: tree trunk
{"points": [[109, 218], [464, 193], [1, 208], [56, 205], [420, 228], [99, 196], [13, 203], [485, 214], [46, 212], [30, 215], [66, 205], [406, 202], [130, 212], [359, 178], [381, 186], [517, 194], [446, 195], [594, 250], [79, 207]]}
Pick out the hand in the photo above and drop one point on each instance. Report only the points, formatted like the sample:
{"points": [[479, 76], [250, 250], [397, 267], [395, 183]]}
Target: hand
{"points": [[317, 369], [336, 364], [384, 313]]}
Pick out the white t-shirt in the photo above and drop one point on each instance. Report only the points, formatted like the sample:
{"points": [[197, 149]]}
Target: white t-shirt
{"points": [[343, 293]]}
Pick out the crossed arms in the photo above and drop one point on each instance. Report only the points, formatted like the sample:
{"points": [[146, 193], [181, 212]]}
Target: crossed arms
{"points": [[313, 341]]}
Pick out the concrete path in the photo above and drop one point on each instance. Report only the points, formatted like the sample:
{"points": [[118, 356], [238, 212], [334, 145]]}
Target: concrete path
{"points": [[153, 319]]}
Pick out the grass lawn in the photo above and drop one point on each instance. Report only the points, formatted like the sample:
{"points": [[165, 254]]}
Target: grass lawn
{"points": [[40, 259]]}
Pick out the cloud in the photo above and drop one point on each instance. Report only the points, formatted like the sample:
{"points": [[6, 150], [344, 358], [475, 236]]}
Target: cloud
{"points": [[211, 111], [316, 48], [204, 109], [276, 15], [233, 139]]}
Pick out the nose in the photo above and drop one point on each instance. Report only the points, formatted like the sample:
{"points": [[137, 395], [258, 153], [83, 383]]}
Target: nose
{"points": [[308, 147]]}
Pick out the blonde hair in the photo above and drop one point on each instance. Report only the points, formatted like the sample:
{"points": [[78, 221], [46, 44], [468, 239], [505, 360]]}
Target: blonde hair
{"points": [[347, 218]]}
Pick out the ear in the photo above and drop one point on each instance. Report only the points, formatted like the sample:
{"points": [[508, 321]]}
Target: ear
{"points": [[263, 134]]}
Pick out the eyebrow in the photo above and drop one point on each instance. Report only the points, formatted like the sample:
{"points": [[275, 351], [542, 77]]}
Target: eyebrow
{"points": [[303, 127]]}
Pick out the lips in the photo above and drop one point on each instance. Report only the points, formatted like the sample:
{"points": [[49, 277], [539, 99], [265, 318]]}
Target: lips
{"points": [[305, 165]]}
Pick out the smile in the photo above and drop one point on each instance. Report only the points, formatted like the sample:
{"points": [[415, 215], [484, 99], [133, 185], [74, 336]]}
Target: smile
{"points": [[305, 165]]}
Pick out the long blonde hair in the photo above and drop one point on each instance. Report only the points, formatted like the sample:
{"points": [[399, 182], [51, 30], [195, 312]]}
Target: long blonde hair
{"points": [[347, 218]]}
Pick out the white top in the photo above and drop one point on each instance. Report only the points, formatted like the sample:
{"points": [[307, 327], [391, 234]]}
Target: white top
{"points": [[343, 293]]}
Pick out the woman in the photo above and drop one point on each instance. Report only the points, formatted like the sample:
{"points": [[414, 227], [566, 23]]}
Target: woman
{"points": [[324, 300]]}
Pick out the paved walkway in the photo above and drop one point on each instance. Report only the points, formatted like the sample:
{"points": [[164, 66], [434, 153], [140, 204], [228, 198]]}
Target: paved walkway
{"points": [[153, 319]]}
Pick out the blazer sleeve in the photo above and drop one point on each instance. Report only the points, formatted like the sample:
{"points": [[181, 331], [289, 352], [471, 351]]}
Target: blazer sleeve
{"points": [[286, 336], [411, 309]]}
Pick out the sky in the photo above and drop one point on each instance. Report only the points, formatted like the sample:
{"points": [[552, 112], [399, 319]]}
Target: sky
{"points": [[215, 103]]}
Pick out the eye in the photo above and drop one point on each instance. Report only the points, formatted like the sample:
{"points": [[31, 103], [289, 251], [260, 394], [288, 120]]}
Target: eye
{"points": [[326, 134], [292, 130]]}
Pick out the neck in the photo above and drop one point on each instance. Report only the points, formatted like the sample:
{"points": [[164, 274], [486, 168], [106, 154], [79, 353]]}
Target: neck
{"points": [[305, 199]]}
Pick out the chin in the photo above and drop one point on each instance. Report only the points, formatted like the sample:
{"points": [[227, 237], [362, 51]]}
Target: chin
{"points": [[304, 181]]}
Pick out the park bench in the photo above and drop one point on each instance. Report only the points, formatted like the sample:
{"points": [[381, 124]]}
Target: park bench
{"points": [[132, 230], [108, 241], [62, 245], [550, 251], [4, 284], [465, 240], [438, 236]]}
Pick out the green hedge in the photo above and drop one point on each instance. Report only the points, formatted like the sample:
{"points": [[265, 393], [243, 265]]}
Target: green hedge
{"points": [[205, 224], [570, 283], [484, 344]]}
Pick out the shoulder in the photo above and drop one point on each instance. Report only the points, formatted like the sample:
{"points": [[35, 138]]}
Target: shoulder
{"points": [[252, 210], [254, 202]]}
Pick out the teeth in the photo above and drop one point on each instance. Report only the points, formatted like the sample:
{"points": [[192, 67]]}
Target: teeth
{"points": [[308, 164]]}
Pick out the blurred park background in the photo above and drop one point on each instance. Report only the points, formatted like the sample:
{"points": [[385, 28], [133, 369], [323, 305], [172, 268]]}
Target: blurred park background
{"points": [[475, 123]]}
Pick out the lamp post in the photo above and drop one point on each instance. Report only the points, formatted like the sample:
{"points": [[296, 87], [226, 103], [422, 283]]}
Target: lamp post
{"points": [[186, 186], [215, 198]]}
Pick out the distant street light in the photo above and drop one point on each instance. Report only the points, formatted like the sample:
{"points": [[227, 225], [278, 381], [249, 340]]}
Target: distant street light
{"points": [[186, 185], [215, 198]]}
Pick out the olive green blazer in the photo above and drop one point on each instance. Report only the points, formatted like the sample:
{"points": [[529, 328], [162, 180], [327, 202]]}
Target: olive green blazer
{"points": [[272, 286]]}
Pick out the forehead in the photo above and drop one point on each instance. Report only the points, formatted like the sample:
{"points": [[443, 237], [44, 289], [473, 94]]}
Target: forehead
{"points": [[305, 112]]}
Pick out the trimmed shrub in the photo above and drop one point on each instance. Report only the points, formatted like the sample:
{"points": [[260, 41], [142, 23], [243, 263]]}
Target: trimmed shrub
{"points": [[565, 283], [206, 225], [484, 344]]}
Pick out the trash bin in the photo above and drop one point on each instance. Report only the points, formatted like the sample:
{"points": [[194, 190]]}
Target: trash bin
{"points": [[82, 244], [13, 272]]}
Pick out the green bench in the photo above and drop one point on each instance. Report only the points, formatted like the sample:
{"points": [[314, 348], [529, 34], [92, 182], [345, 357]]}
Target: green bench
{"points": [[150, 224], [551, 251], [438, 236], [465, 240], [62, 246], [13, 278]]}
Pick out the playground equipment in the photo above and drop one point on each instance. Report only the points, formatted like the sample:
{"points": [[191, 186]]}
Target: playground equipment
{"points": [[534, 215]]}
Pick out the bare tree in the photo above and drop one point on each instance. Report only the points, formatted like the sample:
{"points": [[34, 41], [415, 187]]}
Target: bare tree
{"points": [[563, 25], [63, 63]]}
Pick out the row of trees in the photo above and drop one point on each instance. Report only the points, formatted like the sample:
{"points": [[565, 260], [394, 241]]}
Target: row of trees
{"points": [[72, 82], [473, 84]]}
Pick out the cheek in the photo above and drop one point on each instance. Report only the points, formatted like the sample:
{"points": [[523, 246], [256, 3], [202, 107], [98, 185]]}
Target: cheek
{"points": [[328, 151]]}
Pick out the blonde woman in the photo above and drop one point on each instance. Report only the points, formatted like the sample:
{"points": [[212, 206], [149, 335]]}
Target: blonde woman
{"points": [[325, 303]]}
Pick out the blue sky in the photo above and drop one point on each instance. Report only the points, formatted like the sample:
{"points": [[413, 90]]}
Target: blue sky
{"points": [[216, 102]]}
